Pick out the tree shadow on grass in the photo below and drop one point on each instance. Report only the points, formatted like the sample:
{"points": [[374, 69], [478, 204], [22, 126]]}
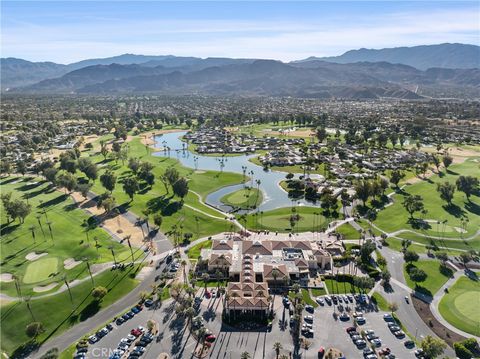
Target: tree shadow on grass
{"points": [[7, 228], [90, 310], [162, 204], [454, 210], [8, 180], [473, 208], [30, 186], [419, 224], [54, 201], [26, 349]]}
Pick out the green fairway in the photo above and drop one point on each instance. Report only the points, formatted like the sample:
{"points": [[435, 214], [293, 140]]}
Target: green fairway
{"points": [[55, 312], [395, 217], [460, 305], [278, 220], [40, 270], [157, 200], [244, 198], [435, 276], [68, 238]]}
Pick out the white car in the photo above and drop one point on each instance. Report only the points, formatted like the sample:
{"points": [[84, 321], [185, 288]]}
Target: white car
{"points": [[320, 300]]}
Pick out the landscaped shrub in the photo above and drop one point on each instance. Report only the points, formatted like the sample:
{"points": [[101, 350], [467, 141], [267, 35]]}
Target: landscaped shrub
{"points": [[462, 352]]}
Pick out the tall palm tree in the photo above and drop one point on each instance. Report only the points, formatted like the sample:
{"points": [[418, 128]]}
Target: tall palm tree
{"points": [[113, 254], [245, 355], [189, 313], [277, 346], [65, 280], [32, 229], [205, 278], [49, 224], [130, 246], [184, 267]]}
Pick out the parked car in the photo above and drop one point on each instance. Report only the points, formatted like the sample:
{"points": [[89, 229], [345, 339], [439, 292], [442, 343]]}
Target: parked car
{"points": [[350, 329], [321, 352], [377, 342], [320, 301], [210, 338], [394, 328], [344, 316], [399, 334], [388, 317], [119, 321], [358, 314], [328, 300], [360, 320], [92, 339], [136, 332], [367, 351], [309, 308], [409, 343], [407, 299], [385, 351], [361, 343], [419, 353], [308, 318], [148, 303]]}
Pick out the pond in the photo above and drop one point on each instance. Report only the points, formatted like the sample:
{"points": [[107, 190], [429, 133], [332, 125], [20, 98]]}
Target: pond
{"points": [[273, 195]]}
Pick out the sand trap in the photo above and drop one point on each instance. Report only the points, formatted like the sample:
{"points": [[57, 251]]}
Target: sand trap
{"points": [[32, 256], [200, 172], [45, 288], [70, 263], [6, 277], [460, 230]]}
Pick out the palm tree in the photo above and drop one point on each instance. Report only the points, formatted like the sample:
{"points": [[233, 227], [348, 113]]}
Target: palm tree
{"points": [[277, 346], [245, 355], [113, 254], [218, 274], [27, 302], [201, 335], [189, 313], [130, 246], [40, 224], [32, 229], [49, 224], [205, 278], [184, 266], [68, 287]]}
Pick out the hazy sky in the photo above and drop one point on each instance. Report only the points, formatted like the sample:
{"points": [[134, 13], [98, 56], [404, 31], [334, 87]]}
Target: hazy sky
{"points": [[68, 31]]}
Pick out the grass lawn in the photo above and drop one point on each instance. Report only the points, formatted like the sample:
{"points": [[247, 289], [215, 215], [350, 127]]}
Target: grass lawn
{"points": [[335, 287], [380, 301], [320, 169], [307, 299], [395, 217], [443, 243], [157, 200], [460, 305], [244, 198], [348, 231], [194, 252], [40, 270], [435, 277], [278, 220], [316, 292], [15, 315], [67, 240]]}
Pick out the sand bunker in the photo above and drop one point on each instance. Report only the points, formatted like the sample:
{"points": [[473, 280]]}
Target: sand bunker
{"points": [[45, 288], [460, 230], [6, 277], [33, 256], [70, 263], [198, 172]]}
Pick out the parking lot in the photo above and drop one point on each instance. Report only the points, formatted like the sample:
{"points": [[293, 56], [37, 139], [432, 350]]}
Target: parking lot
{"points": [[174, 339], [331, 332]]}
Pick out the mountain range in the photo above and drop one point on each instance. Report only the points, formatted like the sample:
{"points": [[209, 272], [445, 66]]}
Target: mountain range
{"points": [[355, 74]]}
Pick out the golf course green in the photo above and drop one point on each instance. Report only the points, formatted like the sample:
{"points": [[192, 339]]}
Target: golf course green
{"points": [[278, 220], [460, 305], [244, 198]]}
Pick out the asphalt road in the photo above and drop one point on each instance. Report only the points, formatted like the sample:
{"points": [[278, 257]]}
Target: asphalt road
{"points": [[72, 335]]}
